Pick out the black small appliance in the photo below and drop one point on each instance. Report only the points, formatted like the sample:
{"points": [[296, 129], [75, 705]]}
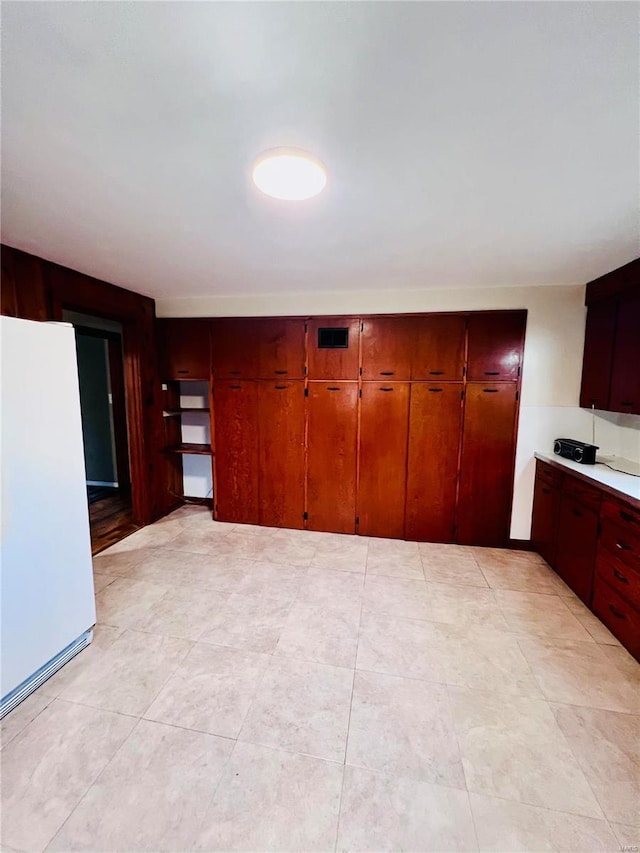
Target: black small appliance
{"points": [[579, 451]]}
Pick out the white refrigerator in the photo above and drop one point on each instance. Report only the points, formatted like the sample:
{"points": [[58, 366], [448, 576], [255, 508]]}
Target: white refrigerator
{"points": [[46, 581]]}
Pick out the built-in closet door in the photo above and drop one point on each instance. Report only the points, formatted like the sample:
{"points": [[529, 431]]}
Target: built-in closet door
{"points": [[435, 422], [281, 414], [495, 346], [236, 451], [384, 427], [438, 348], [332, 429], [487, 460], [387, 344]]}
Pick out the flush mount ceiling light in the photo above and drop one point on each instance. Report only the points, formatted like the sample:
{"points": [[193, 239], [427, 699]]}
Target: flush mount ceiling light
{"points": [[289, 174]]}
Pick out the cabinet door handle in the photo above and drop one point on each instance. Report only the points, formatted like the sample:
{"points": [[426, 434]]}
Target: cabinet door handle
{"points": [[623, 546], [619, 576], [387, 372], [386, 389], [490, 390], [626, 402], [280, 372], [492, 373], [546, 491], [576, 512], [183, 371], [626, 516], [616, 612], [333, 388], [436, 372], [434, 390], [235, 387], [234, 372], [281, 387]]}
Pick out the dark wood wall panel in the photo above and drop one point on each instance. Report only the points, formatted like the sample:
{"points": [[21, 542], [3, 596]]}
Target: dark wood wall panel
{"points": [[384, 429], [432, 465], [495, 345], [36, 289], [332, 455]]}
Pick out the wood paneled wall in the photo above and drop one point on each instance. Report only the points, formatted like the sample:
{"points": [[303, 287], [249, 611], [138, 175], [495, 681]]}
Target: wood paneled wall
{"points": [[36, 289], [408, 431]]}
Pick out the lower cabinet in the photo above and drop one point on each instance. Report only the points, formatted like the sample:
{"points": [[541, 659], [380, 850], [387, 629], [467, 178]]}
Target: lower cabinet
{"points": [[594, 546], [576, 545]]}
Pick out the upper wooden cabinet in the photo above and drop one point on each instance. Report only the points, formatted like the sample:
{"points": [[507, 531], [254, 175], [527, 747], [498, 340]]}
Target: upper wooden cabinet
{"points": [[611, 361], [438, 347], [495, 345], [333, 347], [387, 344], [185, 348], [281, 348], [625, 371], [258, 349], [598, 354], [235, 349]]}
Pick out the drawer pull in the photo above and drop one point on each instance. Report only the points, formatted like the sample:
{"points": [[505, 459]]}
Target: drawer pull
{"points": [[387, 372], [183, 371], [619, 576], [623, 546], [235, 387], [332, 388], [281, 387], [626, 402], [434, 390], [546, 491], [616, 612], [576, 512], [436, 372], [234, 372], [386, 389], [626, 516], [280, 372], [492, 373], [490, 390]]}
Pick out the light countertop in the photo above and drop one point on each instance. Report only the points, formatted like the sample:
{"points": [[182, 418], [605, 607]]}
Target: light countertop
{"points": [[621, 485]]}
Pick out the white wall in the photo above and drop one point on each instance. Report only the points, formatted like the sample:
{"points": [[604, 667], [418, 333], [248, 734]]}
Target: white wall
{"points": [[552, 359]]}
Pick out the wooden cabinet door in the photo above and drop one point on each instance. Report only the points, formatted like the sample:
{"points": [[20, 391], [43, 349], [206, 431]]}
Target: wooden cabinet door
{"points": [[544, 523], [496, 342], [598, 354], [281, 453], [384, 427], [625, 372], [235, 348], [327, 355], [576, 549], [435, 420], [486, 467], [332, 431], [387, 343], [281, 345], [235, 406], [438, 351], [185, 348]]}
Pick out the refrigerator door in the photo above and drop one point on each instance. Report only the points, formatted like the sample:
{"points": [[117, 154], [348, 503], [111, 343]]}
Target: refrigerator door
{"points": [[45, 549]]}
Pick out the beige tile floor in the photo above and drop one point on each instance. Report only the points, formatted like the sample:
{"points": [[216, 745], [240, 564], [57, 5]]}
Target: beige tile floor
{"points": [[255, 689]]}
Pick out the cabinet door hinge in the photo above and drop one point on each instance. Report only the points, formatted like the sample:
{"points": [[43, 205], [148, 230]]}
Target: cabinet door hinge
{"points": [[464, 371], [518, 371], [517, 395], [360, 393], [362, 327], [360, 371], [462, 395], [306, 328], [305, 516], [357, 520], [305, 370], [306, 392]]}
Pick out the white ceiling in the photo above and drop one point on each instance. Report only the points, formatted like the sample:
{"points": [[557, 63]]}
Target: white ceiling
{"points": [[467, 144]]}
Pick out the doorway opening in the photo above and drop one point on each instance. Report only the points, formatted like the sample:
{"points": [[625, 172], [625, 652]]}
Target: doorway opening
{"points": [[104, 427]]}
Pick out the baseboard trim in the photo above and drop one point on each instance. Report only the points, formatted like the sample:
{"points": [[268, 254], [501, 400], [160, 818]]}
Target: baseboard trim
{"points": [[521, 545]]}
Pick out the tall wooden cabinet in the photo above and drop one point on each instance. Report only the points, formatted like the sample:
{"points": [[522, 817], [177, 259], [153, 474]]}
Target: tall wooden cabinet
{"points": [[332, 452], [382, 483], [388, 426]]}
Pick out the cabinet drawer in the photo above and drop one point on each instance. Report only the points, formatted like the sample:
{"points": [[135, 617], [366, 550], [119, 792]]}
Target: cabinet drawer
{"points": [[619, 617], [622, 542], [552, 476], [619, 576], [628, 518], [581, 492]]}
